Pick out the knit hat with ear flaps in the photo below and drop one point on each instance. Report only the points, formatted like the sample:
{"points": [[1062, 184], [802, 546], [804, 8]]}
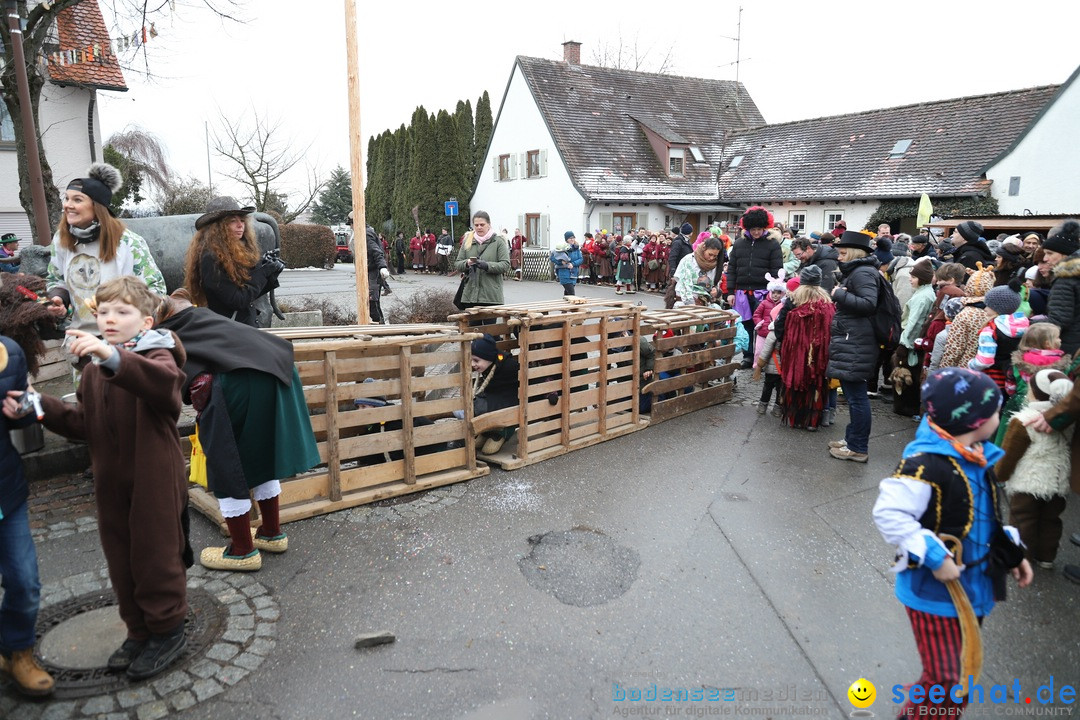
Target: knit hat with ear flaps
{"points": [[959, 400], [970, 230]]}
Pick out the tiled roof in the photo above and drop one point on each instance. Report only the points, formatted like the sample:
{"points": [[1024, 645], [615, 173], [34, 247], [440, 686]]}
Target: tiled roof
{"points": [[847, 156], [79, 27], [591, 111]]}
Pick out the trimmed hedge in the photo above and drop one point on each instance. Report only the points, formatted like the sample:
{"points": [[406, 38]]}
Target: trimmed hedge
{"points": [[308, 246]]}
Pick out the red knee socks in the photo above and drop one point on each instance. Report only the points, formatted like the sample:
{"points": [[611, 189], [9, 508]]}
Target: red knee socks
{"points": [[271, 525], [240, 533]]}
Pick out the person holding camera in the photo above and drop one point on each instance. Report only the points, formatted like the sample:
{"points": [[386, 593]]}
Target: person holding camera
{"points": [[223, 269], [482, 260]]}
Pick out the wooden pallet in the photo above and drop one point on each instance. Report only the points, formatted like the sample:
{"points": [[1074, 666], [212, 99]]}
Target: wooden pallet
{"points": [[372, 453], [585, 352], [694, 345]]}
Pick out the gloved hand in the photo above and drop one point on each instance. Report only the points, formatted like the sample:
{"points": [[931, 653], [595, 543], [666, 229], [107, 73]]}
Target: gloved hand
{"points": [[384, 273], [482, 264]]}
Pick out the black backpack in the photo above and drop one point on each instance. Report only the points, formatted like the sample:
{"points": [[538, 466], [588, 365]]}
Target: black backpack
{"points": [[886, 320]]}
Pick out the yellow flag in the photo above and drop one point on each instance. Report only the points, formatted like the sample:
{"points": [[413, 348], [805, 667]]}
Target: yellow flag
{"points": [[925, 211]]}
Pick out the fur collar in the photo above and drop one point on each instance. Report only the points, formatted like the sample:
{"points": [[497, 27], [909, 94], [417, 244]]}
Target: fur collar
{"points": [[1068, 268]]}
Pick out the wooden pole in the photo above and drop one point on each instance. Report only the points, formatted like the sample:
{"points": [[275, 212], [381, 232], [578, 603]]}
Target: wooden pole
{"points": [[356, 145]]}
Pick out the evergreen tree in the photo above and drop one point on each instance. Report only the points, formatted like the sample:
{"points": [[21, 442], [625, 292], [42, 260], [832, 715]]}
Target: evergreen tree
{"points": [[451, 167], [422, 167], [463, 116], [335, 200], [380, 191], [484, 124], [400, 207]]}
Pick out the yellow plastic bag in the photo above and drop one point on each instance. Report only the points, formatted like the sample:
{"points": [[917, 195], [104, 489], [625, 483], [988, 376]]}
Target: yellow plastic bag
{"points": [[198, 460]]}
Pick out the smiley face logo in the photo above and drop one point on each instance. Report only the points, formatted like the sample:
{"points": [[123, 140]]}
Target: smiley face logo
{"points": [[862, 693]]}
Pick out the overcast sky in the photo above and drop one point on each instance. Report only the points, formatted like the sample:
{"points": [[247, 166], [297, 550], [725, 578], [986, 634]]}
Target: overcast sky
{"points": [[799, 59]]}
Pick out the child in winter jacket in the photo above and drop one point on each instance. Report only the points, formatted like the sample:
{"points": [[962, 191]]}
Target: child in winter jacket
{"points": [[1036, 469], [1000, 337], [764, 314], [768, 359], [944, 487]]}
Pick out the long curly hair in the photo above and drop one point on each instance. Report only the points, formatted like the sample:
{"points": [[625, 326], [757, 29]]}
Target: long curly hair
{"points": [[20, 315], [235, 257]]}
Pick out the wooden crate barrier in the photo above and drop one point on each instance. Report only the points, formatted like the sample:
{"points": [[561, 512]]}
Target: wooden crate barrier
{"points": [[696, 352], [585, 351], [373, 453]]}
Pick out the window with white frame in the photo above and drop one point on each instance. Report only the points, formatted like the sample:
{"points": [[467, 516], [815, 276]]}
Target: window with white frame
{"points": [[676, 162], [831, 218], [797, 222]]}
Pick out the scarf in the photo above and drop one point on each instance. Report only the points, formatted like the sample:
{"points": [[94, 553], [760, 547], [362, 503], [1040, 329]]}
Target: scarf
{"points": [[130, 344], [85, 235], [1040, 357], [483, 238], [702, 263], [971, 454]]}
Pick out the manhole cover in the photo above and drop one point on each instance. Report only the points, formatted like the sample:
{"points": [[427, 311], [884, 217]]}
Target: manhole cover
{"points": [[580, 567], [68, 652]]}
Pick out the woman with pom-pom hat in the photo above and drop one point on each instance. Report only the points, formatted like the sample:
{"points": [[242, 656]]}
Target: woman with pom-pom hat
{"points": [[93, 246], [1062, 251]]}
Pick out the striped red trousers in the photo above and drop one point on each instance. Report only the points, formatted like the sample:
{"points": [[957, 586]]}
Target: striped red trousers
{"points": [[938, 641]]}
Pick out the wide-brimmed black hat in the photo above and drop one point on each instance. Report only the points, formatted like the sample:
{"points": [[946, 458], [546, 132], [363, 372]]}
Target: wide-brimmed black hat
{"points": [[221, 207], [855, 239]]}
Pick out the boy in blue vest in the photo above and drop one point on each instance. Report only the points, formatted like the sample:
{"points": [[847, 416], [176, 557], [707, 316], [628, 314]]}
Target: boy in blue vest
{"points": [[945, 485]]}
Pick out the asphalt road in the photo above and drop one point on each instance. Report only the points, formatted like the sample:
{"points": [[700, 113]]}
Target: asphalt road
{"points": [[718, 552]]}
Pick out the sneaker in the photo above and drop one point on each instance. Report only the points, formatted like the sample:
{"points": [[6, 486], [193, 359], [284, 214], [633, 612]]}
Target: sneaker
{"points": [[1045, 564], [124, 655], [777, 411], [838, 443], [761, 406], [845, 453], [827, 416], [873, 394], [160, 652]]}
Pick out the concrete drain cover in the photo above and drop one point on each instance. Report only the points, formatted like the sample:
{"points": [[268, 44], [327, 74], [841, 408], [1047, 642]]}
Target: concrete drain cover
{"points": [[580, 567]]}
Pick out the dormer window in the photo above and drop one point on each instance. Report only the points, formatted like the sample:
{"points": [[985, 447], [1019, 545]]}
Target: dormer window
{"points": [[676, 162], [735, 162]]}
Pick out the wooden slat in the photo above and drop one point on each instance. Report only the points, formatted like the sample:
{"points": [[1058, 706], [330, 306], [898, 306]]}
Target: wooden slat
{"points": [[688, 403], [407, 416], [333, 457], [678, 382]]}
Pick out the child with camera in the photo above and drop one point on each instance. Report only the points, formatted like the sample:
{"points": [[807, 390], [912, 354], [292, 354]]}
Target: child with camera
{"points": [[128, 407]]}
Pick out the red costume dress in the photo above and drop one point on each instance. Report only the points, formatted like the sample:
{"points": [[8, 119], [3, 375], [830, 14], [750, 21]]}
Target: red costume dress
{"points": [[416, 248]]}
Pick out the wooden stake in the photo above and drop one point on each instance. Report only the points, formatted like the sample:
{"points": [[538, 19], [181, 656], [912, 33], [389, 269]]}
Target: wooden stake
{"points": [[363, 313]]}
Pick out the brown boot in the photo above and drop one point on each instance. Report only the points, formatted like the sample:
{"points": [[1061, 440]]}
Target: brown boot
{"points": [[30, 678]]}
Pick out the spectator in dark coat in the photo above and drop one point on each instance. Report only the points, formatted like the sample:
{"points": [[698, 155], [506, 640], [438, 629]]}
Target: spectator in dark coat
{"points": [[752, 255], [1062, 251], [883, 250], [853, 348], [680, 248], [825, 257], [969, 246], [377, 273], [921, 247]]}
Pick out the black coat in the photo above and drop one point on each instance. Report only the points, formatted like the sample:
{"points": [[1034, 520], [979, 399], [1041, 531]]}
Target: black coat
{"points": [[826, 258], [853, 349], [1063, 305], [225, 297], [680, 248], [13, 489], [749, 261], [971, 252]]}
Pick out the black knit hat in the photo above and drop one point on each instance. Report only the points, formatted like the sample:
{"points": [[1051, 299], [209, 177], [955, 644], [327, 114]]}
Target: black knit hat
{"points": [[970, 230], [810, 275], [101, 181], [1066, 240], [686, 228], [959, 400], [485, 347]]}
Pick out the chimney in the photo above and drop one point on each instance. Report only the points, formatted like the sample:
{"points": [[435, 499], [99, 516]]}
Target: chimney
{"points": [[571, 52]]}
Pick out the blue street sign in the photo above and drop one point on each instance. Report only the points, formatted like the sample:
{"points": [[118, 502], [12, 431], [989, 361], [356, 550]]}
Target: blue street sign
{"points": [[451, 208]]}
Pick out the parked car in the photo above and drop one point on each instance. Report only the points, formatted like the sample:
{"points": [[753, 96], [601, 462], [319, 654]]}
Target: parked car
{"points": [[344, 254]]}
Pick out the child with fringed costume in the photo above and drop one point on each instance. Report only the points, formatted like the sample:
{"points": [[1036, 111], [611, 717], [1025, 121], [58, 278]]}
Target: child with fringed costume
{"points": [[805, 351]]}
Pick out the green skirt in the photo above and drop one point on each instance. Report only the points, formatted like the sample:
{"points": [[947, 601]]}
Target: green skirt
{"points": [[270, 423]]}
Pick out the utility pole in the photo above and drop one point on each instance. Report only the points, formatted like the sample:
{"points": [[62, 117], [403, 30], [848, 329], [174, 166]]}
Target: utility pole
{"points": [[33, 160], [363, 312]]}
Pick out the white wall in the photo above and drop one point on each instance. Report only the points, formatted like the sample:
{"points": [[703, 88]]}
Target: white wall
{"points": [[856, 214], [521, 128], [62, 117], [1047, 161]]}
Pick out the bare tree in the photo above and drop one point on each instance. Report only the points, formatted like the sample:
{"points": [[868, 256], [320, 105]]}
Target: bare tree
{"points": [[38, 36], [622, 54], [260, 158], [183, 196]]}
